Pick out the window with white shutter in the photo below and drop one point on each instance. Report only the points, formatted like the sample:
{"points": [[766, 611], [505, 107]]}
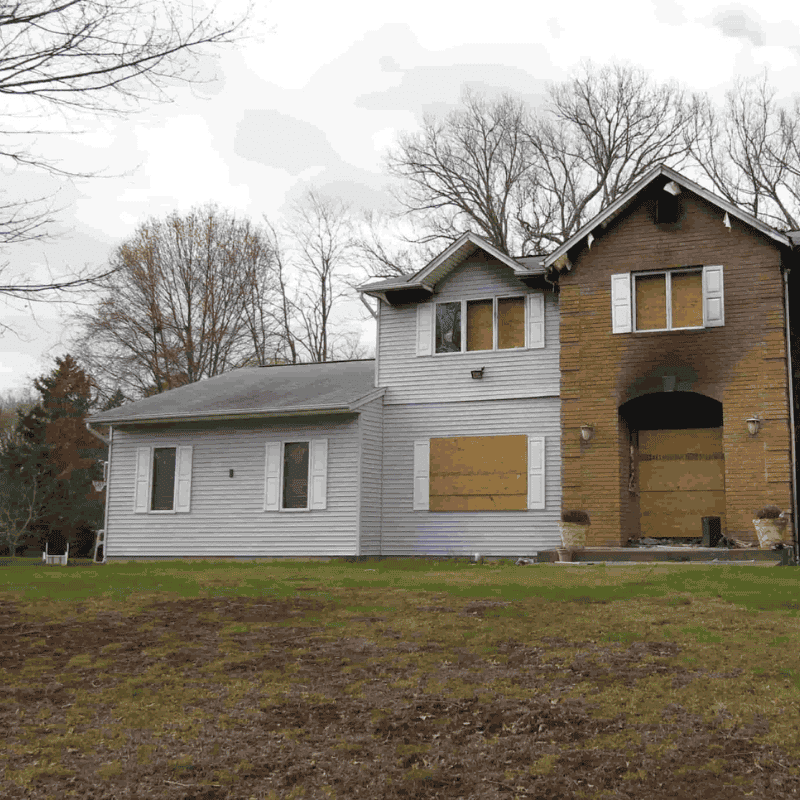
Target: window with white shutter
{"points": [[535, 320], [296, 475], [163, 479], [679, 299]]}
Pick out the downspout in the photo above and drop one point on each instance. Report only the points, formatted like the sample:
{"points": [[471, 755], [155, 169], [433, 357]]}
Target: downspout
{"points": [[108, 441], [104, 439], [796, 542]]}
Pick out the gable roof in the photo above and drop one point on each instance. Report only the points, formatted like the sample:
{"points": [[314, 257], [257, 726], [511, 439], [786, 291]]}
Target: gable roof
{"points": [[321, 388], [602, 219], [424, 281]]}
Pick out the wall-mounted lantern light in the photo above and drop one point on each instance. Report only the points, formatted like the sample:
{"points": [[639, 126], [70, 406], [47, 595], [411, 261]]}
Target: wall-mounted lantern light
{"points": [[753, 424], [587, 431], [477, 374]]}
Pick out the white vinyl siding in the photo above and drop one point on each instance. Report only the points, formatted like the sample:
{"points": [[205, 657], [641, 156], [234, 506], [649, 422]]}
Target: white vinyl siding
{"points": [[227, 513], [424, 329], [623, 293], [143, 477], [407, 431], [370, 424], [509, 373]]}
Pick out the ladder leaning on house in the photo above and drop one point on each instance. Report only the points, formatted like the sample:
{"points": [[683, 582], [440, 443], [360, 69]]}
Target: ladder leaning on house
{"points": [[99, 543]]}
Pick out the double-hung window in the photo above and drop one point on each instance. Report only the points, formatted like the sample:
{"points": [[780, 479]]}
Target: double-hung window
{"points": [[163, 479], [480, 324], [678, 299], [296, 475]]}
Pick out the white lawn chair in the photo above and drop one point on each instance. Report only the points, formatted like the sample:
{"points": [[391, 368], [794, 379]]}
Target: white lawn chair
{"points": [[60, 560]]}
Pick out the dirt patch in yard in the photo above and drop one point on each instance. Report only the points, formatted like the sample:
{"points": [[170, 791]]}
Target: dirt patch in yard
{"points": [[221, 698]]}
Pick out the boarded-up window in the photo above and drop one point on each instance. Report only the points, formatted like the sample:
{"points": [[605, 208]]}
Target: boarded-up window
{"points": [[479, 325], [295, 475], [448, 327], [651, 302], [479, 473], [687, 299], [510, 322], [163, 493]]}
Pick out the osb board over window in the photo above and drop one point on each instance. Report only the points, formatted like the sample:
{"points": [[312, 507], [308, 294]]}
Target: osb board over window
{"points": [[479, 473]]}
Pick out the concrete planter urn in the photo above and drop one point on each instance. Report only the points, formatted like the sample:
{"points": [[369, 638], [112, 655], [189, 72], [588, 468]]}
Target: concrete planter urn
{"points": [[770, 526], [574, 527]]}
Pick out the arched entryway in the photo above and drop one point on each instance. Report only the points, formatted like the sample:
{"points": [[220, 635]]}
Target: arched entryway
{"points": [[677, 462]]}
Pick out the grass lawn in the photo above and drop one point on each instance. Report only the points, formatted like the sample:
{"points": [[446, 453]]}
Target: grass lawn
{"points": [[399, 679]]}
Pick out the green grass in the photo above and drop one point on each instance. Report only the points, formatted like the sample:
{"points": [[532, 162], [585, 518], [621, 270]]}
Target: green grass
{"points": [[207, 674]]}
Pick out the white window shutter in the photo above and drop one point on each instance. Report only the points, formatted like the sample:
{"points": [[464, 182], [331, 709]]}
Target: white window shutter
{"points": [[318, 474], [536, 320], [272, 477], [425, 329], [183, 478], [141, 494], [713, 302], [621, 303], [422, 471], [536, 454]]}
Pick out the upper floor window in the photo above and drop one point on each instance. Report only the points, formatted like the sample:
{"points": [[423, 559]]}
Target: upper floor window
{"points": [[494, 323], [670, 300]]}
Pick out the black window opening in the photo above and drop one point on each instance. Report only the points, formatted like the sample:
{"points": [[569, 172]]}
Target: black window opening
{"points": [[295, 475], [163, 494], [448, 327]]}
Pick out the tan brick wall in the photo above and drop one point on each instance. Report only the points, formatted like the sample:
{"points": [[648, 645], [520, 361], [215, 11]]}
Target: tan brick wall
{"points": [[741, 364]]}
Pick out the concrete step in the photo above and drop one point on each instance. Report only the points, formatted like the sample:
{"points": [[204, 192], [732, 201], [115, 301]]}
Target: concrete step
{"points": [[673, 554]]}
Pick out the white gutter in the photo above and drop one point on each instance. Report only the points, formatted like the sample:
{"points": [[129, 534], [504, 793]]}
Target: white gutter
{"points": [[796, 542], [108, 495], [105, 439]]}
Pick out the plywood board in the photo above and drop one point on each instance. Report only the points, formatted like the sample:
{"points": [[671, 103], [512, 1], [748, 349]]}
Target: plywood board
{"points": [[679, 513], [479, 473], [479, 325], [687, 299], [682, 475], [700, 441], [651, 302], [510, 322]]}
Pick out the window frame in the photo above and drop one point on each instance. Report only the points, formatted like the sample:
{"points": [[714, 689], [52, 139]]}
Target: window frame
{"points": [[143, 500], [464, 301], [151, 492], [316, 446], [282, 478], [668, 298]]}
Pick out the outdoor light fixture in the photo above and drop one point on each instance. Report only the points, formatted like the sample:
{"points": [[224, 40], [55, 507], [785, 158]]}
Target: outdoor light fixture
{"points": [[587, 431], [477, 374], [753, 424]]}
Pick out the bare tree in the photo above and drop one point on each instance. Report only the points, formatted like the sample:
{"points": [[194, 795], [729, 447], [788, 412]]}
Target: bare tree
{"points": [[528, 181], [465, 170], [78, 56], [751, 152], [323, 246], [189, 297], [18, 509]]}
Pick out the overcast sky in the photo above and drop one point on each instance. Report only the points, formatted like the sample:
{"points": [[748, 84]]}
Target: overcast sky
{"points": [[321, 92]]}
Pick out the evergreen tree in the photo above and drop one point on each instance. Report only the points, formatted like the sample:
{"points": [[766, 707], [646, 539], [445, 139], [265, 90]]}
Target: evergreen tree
{"points": [[56, 453]]}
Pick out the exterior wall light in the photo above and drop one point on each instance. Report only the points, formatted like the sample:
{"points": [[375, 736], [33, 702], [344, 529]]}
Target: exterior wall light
{"points": [[477, 374], [587, 431], [753, 424]]}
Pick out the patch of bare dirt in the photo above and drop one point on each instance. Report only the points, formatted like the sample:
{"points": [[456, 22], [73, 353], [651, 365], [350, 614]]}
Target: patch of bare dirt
{"points": [[388, 739]]}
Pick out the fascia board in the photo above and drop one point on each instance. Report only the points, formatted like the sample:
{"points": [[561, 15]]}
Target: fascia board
{"points": [[223, 415]]}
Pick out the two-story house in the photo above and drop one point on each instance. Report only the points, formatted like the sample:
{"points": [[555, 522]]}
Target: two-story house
{"points": [[639, 372]]}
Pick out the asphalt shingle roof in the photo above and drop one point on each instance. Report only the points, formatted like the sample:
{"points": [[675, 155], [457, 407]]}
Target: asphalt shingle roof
{"points": [[257, 391]]}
